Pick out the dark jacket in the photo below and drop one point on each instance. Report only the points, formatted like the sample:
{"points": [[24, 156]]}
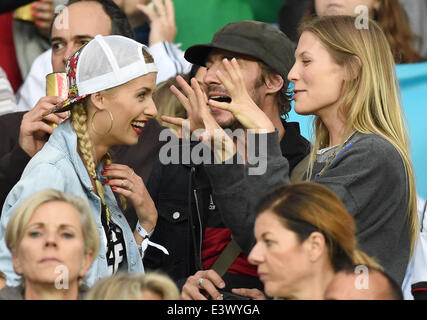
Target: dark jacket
{"points": [[182, 194], [12, 158]]}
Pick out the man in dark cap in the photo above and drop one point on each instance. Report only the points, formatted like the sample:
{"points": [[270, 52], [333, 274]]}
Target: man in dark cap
{"points": [[196, 221]]}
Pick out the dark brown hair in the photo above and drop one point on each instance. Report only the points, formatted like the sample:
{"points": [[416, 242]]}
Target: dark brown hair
{"points": [[306, 207]]}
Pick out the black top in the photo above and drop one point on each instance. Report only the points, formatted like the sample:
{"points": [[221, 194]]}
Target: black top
{"points": [[9, 5]]}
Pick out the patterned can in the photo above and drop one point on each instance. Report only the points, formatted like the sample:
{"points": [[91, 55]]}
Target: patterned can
{"points": [[24, 13], [57, 85]]}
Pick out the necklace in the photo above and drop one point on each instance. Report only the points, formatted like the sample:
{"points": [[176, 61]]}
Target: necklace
{"points": [[334, 155]]}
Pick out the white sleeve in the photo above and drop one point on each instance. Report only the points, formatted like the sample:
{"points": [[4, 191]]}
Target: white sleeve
{"points": [[34, 86], [7, 97], [169, 59], [416, 273], [419, 272]]}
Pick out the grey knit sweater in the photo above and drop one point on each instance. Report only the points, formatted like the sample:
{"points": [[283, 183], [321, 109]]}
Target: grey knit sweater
{"points": [[368, 176]]}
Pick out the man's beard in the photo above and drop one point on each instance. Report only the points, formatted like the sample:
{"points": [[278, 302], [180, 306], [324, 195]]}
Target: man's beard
{"points": [[233, 123]]}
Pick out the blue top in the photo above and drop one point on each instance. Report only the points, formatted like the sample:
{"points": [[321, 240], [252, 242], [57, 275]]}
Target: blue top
{"points": [[59, 166]]}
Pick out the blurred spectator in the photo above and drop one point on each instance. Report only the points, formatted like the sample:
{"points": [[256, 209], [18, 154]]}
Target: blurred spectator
{"points": [[155, 27], [8, 60], [122, 286], [390, 16], [363, 283], [290, 16], [53, 239], [304, 236], [168, 57], [32, 38], [417, 13], [24, 134], [388, 13], [7, 97]]}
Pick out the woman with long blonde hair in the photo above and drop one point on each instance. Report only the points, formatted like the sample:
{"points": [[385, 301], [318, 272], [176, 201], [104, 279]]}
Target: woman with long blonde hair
{"points": [[364, 110]]}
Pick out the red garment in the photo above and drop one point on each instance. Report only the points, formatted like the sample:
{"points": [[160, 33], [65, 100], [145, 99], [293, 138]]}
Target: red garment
{"points": [[8, 60], [214, 242]]}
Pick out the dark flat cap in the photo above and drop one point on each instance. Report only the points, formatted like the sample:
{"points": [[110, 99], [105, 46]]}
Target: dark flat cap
{"points": [[257, 39]]}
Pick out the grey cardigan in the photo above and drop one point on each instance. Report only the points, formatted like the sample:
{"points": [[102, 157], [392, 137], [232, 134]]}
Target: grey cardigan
{"points": [[368, 176]]}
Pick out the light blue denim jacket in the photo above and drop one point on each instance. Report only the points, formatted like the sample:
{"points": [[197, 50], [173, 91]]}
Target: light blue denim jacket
{"points": [[59, 166]]}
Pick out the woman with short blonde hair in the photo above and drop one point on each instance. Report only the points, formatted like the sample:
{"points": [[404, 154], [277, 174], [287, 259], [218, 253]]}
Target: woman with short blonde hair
{"points": [[22, 215], [148, 286], [53, 240]]}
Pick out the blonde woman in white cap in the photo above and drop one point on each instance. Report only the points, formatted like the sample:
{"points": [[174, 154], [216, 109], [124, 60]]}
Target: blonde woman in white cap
{"points": [[111, 81]]}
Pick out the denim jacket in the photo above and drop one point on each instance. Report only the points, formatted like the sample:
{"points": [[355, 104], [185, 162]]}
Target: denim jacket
{"points": [[59, 166]]}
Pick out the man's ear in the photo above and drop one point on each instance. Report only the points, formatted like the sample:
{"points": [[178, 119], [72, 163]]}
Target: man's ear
{"points": [[315, 245], [273, 82], [97, 99]]}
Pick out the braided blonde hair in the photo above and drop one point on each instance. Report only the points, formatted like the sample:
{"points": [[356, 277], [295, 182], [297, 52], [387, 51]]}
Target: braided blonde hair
{"points": [[79, 122]]}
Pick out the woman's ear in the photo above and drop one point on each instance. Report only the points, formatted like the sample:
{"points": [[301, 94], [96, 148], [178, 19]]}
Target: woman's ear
{"points": [[354, 68], [274, 83], [16, 263], [97, 99], [315, 245], [86, 263]]}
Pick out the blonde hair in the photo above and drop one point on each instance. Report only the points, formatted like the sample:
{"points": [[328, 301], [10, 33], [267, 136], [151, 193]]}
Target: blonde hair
{"points": [[79, 118], [23, 214], [370, 99], [167, 104], [123, 286], [306, 207]]}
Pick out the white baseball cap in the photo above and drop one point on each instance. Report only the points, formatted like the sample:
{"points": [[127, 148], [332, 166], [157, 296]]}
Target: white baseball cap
{"points": [[103, 63]]}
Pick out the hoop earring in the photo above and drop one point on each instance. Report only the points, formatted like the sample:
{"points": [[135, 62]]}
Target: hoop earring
{"points": [[109, 129]]}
